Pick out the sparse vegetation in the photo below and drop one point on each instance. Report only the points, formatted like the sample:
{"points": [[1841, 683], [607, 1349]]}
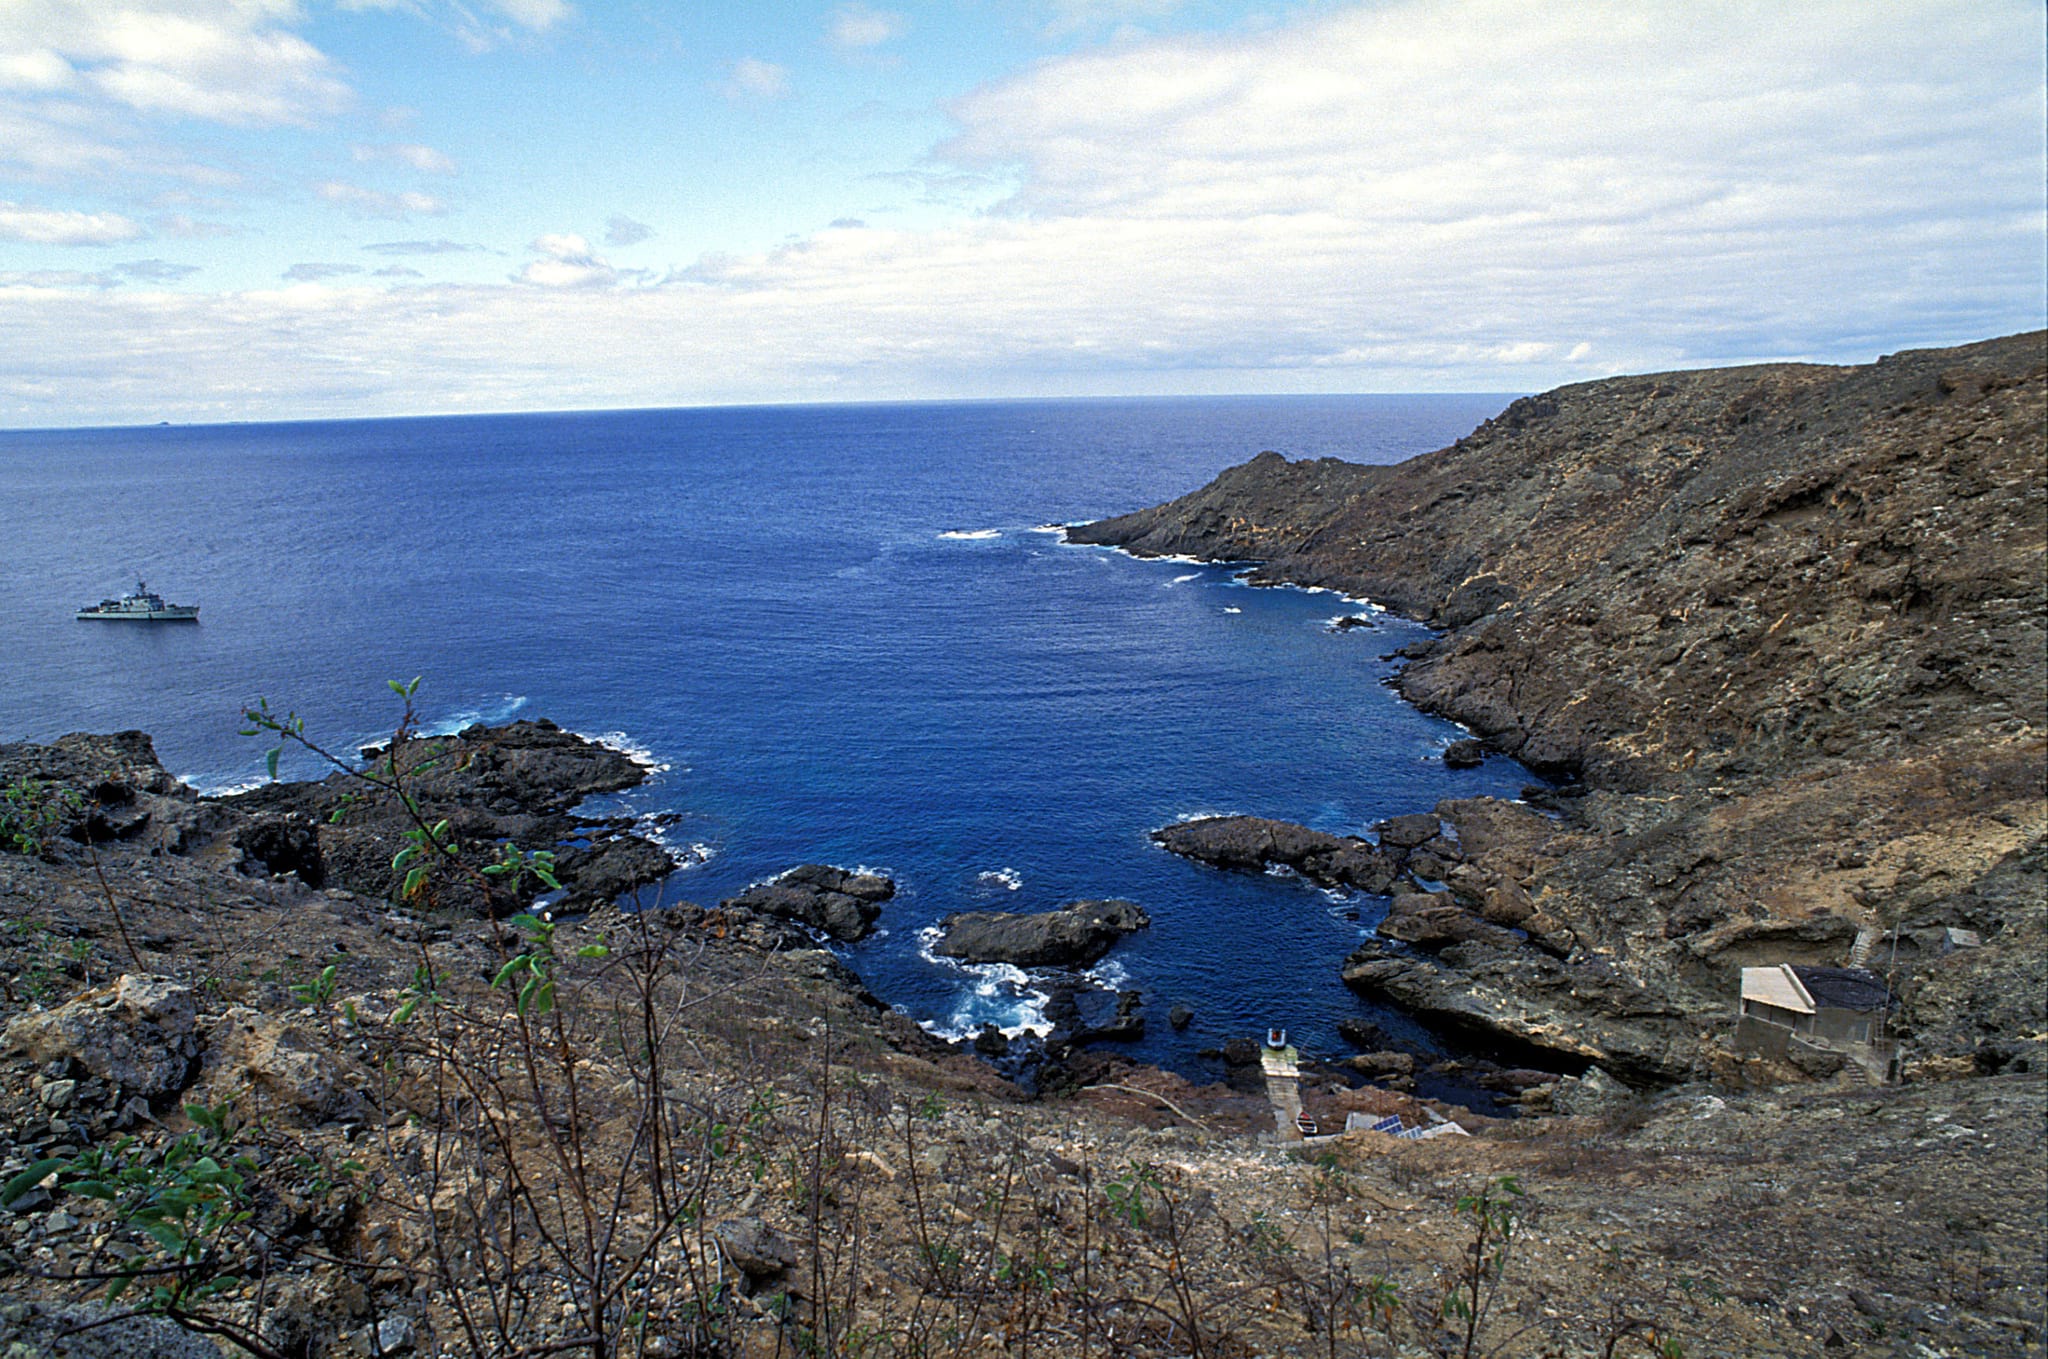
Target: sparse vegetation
{"points": [[613, 1136]]}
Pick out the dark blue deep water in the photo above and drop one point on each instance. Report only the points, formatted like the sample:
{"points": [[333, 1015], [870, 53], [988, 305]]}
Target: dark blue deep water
{"points": [[840, 629]]}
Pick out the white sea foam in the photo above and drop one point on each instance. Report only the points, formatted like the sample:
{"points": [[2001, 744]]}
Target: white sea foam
{"points": [[971, 535], [1009, 879], [992, 993], [1109, 975], [683, 852], [500, 711], [1232, 608], [631, 749], [1049, 528], [225, 789]]}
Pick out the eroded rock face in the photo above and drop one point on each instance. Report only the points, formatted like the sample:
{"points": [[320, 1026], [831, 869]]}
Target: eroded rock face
{"points": [[1255, 843], [1073, 936], [138, 1034], [842, 904]]}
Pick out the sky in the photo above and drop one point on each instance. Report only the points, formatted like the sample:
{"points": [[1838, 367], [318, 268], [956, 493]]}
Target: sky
{"points": [[279, 209]]}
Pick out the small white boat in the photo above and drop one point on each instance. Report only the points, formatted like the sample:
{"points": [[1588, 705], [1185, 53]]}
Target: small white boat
{"points": [[143, 606]]}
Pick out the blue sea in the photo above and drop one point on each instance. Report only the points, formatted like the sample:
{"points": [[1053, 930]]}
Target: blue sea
{"points": [[841, 634]]}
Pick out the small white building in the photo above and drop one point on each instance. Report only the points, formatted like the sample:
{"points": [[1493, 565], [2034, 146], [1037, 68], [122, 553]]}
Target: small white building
{"points": [[1790, 1011]]}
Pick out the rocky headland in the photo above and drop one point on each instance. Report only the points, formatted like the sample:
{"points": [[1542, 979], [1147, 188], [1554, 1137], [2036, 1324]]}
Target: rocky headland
{"points": [[1776, 634]]}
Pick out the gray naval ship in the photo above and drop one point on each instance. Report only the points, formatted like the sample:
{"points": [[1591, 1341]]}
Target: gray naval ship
{"points": [[142, 607]]}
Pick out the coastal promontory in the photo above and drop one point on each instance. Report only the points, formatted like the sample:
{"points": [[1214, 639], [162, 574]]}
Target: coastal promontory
{"points": [[1776, 637]]}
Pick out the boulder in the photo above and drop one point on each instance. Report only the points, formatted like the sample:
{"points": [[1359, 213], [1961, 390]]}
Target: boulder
{"points": [[1362, 1033], [756, 1249], [137, 1034], [611, 868], [1466, 754], [841, 904], [1179, 1017], [1240, 1052], [248, 1050], [1073, 936], [1596, 1092], [1378, 1065]]}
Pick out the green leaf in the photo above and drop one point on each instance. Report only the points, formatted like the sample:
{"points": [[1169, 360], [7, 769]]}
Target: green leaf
{"points": [[404, 1012], [396, 687], [166, 1234], [593, 951], [512, 968], [29, 1179], [270, 762], [118, 1287]]}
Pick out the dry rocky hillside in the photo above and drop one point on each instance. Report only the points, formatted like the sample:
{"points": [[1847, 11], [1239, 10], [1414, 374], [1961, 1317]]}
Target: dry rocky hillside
{"points": [[1781, 634], [1776, 634]]}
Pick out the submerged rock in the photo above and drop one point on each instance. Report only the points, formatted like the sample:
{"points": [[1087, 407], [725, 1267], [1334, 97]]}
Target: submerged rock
{"points": [[1073, 936]]}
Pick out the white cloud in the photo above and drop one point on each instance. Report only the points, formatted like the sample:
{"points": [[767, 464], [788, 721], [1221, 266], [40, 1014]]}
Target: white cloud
{"points": [[537, 15], [231, 61], [425, 159], [1069, 16], [1414, 195], [364, 202], [34, 69], [857, 28], [566, 262], [315, 272], [155, 271], [622, 230], [61, 226], [185, 228], [435, 247], [752, 78], [40, 279]]}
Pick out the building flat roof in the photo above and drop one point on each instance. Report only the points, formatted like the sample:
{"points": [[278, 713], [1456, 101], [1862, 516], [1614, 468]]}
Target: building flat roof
{"points": [[1843, 988], [1776, 985]]}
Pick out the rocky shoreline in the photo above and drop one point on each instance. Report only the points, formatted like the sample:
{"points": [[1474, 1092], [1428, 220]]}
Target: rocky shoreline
{"points": [[1779, 634], [1808, 726]]}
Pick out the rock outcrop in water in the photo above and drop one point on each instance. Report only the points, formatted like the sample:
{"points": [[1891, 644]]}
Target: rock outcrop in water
{"points": [[1072, 936], [514, 783], [820, 897], [1779, 630], [1255, 843]]}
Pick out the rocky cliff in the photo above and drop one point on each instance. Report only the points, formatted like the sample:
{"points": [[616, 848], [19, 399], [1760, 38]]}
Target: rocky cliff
{"points": [[1778, 630]]}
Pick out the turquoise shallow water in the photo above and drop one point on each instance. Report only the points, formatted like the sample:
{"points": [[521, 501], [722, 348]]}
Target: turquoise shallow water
{"points": [[843, 632]]}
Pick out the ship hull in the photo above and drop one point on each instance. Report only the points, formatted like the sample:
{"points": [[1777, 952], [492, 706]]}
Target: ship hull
{"points": [[174, 614]]}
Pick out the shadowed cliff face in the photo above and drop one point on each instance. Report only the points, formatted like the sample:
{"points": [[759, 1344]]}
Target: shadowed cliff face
{"points": [[1785, 622]]}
